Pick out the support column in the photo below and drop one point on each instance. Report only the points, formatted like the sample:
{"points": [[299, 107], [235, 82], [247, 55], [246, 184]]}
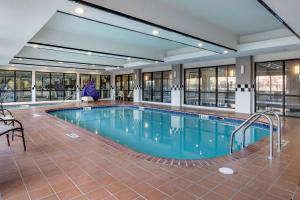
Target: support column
{"points": [[112, 87], [137, 93], [177, 86], [77, 86], [33, 88], [244, 95]]}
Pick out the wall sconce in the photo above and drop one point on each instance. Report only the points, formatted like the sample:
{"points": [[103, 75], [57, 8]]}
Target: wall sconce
{"points": [[242, 69], [297, 69], [231, 73]]}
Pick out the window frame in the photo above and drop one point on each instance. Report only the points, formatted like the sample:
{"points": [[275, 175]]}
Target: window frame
{"points": [[199, 90], [162, 91]]}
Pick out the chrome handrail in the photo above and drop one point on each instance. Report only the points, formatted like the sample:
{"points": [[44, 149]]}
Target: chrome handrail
{"points": [[278, 129], [256, 116]]}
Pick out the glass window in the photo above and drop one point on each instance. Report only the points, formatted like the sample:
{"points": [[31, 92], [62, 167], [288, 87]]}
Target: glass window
{"points": [[118, 85], [96, 79], [208, 86], [269, 86], [42, 84], [292, 88], [70, 86], [157, 86], [208, 79], [125, 83], [57, 86], [23, 86], [147, 86], [191, 87], [226, 86], [7, 86], [167, 84], [105, 86], [84, 79]]}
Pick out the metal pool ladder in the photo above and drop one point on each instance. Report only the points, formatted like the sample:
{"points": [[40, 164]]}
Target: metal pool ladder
{"points": [[252, 119]]}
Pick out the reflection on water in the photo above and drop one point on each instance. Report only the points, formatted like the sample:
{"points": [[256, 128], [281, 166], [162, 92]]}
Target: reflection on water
{"points": [[161, 134]]}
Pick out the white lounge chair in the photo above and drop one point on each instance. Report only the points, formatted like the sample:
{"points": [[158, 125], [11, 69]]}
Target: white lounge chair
{"points": [[120, 95], [129, 96], [87, 99]]}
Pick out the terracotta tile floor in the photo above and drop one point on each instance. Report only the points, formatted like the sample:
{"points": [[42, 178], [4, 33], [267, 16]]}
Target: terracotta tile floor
{"points": [[57, 167]]}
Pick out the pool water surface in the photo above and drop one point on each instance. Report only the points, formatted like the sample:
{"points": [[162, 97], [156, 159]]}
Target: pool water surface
{"points": [[161, 133]]}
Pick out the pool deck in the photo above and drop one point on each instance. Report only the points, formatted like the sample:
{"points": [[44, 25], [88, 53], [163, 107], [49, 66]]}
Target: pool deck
{"points": [[90, 167]]}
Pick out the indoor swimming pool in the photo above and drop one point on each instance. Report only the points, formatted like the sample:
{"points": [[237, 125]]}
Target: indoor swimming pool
{"points": [[161, 133]]}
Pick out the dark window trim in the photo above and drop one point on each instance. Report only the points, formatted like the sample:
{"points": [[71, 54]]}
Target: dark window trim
{"points": [[199, 91], [100, 82], [162, 91], [15, 83], [128, 83], [283, 95], [50, 90]]}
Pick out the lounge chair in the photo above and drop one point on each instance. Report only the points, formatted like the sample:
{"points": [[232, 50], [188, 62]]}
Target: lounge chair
{"points": [[87, 99], [129, 96], [12, 126], [5, 114], [120, 95]]}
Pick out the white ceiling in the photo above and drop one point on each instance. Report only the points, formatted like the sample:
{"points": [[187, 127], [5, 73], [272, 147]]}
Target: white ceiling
{"points": [[220, 22], [288, 10], [242, 17], [20, 20]]}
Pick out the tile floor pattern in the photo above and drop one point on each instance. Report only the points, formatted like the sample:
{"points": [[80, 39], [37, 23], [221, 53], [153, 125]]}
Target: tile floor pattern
{"points": [[57, 167]]}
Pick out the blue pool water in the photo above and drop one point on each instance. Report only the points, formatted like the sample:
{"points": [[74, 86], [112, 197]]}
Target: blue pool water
{"points": [[160, 133]]}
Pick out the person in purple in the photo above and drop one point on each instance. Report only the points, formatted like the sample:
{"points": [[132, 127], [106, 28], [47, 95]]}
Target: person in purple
{"points": [[90, 90]]}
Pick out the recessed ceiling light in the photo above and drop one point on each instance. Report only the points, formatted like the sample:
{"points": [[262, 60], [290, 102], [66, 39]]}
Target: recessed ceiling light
{"points": [[128, 58], [156, 61], [60, 62], [35, 46], [79, 10], [89, 53], [225, 51], [155, 32], [200, 45], [20, 59]]}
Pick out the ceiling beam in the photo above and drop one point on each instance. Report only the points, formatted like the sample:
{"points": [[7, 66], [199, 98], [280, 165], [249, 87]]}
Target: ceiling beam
{"points": [[92, 51], [53, 66], [68, 62], [121, 14], [278, 17]]}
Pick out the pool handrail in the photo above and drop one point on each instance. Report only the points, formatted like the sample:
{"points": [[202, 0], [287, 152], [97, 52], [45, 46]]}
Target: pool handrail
{"points": [[250, 119], [269, 112]]}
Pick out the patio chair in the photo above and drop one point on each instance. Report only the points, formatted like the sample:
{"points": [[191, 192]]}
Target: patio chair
{"points": [[129, 96], [120, 95], [5, 114], [13, 126]]}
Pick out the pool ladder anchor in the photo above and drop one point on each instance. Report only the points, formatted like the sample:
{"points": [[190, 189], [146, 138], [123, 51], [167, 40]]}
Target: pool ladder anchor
{"points": [[252, 119]]}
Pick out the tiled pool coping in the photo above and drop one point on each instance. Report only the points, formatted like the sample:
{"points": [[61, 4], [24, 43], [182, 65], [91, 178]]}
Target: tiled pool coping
{"points": [[179, 162]]}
